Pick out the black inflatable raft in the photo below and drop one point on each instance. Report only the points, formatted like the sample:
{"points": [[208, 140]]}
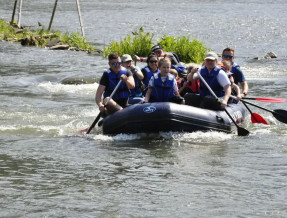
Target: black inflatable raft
{"points": [[166, 116]]}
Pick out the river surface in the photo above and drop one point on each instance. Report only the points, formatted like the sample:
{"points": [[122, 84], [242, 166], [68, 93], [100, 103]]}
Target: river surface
{"points": [[49, 169]]}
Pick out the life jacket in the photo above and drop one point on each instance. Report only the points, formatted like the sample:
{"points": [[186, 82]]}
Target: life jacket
{"points": [[136, 92], [123, 91], [147, 72], [163, 91], [211, 80], [234, 67], [193, 86]]}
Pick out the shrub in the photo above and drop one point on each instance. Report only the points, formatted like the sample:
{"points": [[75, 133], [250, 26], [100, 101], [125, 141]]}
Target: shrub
{"points": [[187, 51], [139, 43]]}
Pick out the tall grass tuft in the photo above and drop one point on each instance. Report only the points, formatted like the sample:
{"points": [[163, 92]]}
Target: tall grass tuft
{"points": [[187, 51], [138, 43]]}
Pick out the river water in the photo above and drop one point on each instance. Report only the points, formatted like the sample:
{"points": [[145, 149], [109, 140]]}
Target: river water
{"points": [[48, 169]]}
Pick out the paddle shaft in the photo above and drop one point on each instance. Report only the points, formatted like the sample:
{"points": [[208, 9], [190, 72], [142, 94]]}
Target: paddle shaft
{"points": [[241, 131], [100, 114], [247, 102], [264, 99]]}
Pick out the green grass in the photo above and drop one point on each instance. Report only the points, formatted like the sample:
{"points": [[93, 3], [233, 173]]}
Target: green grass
{"points": [[42, 37], [187, 50], [137, 43], [140, 44]]}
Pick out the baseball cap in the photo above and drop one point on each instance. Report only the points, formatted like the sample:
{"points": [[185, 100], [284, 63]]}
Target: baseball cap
{"points": [[211, 56], [156, 47], [126, 57]]}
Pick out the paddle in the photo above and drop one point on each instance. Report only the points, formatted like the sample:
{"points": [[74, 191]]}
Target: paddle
{"points": [[279, 114], [255, 118], [240, 131], [272, 100], [101, 113]]}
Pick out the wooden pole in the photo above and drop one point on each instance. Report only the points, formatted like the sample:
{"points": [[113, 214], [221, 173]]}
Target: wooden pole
{"points": [[80, 18], [19, 14], [54, 10], [14, 10]]}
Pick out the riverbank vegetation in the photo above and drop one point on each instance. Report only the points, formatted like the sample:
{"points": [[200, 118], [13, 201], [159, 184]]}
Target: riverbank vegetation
{"points": [[137, 43], [140, 43], [43, 38]]}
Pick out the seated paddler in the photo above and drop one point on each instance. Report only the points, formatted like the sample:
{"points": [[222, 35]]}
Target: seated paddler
{"points": [[162, 86], [108, 83], [217, 80]]}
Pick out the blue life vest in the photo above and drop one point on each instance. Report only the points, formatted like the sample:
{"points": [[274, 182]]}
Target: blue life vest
{"points": [[211, 80], [163, 91], [147, 72], [234, 67], [136, 92], [123, 91]]}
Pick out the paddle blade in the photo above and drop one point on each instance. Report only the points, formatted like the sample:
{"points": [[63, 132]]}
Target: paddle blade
{"points": [[256, 118], [280, 115], [242, 132]]}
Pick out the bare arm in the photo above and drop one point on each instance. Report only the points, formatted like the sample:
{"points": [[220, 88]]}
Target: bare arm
{"points": [[237, 90], [98, 97], [147, 95], [138, 72], [129, 80], [227, 89], [244, 88]]}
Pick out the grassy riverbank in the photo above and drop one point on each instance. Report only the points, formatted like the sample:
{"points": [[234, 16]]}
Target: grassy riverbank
{"points": [[137, 43], [42, 38]]}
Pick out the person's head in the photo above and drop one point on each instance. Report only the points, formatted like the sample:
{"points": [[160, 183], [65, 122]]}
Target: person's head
{"points": [[174, 72], [227, 65], [164, 65], [210, 60], [115, 62], [152, 61], [228, 54], [157, 50], [126, 61]]}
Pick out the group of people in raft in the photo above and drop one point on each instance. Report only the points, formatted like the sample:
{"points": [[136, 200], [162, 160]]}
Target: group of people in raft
{"points": [[166, 79]]}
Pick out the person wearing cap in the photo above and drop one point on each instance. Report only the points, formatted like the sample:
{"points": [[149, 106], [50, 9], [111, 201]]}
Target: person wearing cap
{"points": [[218, 81], [160, 53], [136, 93], [108, 83], [237, 74]]}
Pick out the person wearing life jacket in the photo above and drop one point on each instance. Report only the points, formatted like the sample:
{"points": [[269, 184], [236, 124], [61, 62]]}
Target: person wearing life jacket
{"points": [[217, 80], [109, 81], [149, 70], [136, 93], [175, 62], [239, 78], [162, 86], [235, 90], [188, 86]]}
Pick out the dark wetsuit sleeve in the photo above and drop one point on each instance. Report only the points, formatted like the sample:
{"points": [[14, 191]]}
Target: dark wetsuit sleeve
{"points": [[238, 76], [104, 80]]}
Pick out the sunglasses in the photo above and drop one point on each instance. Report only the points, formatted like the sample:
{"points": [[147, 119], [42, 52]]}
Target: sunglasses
{"points": [[228, 56], [153, 62], [116, 63]]}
